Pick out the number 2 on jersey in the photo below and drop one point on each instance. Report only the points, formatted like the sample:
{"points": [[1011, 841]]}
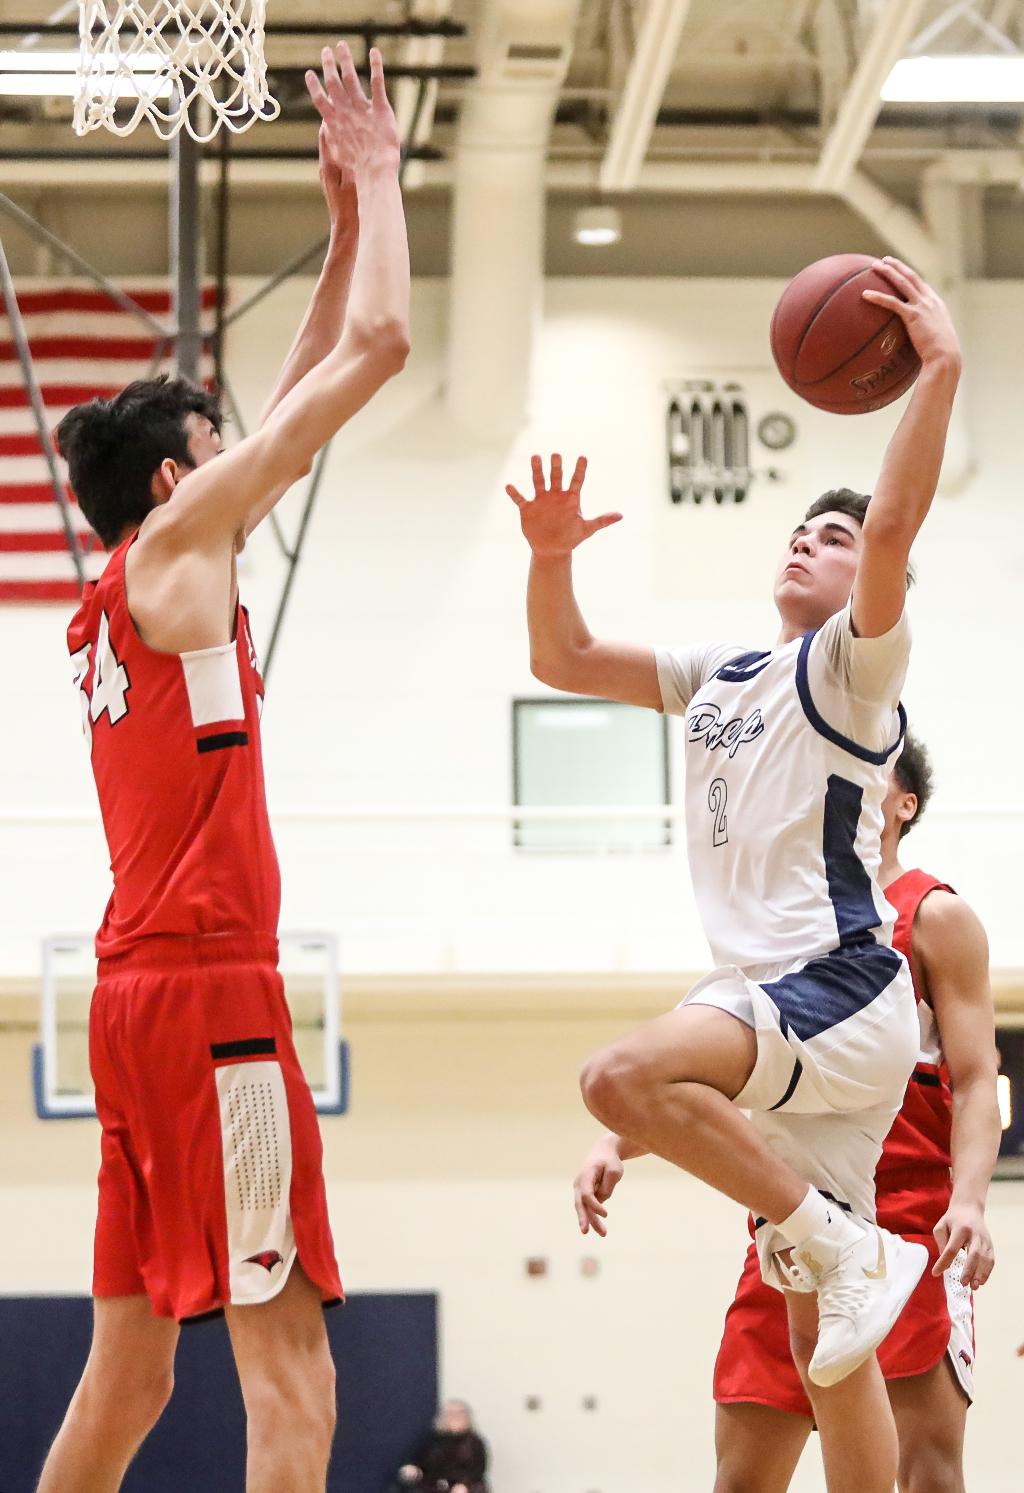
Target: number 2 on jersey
{"points": [[718, 797], [110, 681]]}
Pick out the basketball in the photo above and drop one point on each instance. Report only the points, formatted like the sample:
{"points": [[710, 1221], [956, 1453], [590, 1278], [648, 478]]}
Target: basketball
{"points": [[835, 349]]}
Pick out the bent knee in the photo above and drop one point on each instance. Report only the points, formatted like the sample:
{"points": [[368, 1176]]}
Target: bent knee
{"points": [[933, 1469], [139, 1394], [294, 1396], [609, 1084]]}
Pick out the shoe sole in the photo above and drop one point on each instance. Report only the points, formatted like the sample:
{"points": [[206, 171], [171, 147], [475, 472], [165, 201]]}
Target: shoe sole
{"points": [[909, 1267]]}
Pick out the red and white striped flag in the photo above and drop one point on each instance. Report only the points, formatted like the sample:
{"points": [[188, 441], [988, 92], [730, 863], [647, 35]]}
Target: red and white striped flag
{"points": [[83, 345]]}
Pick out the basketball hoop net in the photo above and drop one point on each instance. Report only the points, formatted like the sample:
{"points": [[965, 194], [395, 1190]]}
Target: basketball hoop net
{"points": [[181, 64]]}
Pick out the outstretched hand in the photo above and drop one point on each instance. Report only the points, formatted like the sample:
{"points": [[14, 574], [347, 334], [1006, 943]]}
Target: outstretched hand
{"points": [[338, 188], [361, 132], [552, 521], [921, 309]]}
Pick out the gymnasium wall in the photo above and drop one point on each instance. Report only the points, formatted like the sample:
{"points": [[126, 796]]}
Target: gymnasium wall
{"points": [[406, 639]]}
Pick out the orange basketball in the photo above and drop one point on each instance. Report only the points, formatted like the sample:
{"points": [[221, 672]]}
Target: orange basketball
{"points": [[837, 350]]}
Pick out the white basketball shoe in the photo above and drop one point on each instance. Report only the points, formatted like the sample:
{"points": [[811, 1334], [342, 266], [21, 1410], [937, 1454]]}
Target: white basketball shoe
{"points": [[862, 1286]]}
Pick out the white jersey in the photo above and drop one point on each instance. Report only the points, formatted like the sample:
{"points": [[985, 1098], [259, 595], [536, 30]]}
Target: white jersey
{"points": [[788, 754]]}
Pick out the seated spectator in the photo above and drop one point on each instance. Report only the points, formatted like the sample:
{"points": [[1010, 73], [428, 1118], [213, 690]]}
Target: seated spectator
{"points": [[452, 1458]]}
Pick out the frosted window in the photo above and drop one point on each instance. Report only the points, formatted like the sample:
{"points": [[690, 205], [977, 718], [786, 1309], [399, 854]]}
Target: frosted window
{"points": [[588, 753]]}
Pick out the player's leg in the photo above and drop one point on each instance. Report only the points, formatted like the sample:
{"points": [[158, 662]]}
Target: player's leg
{"points": [[931, 1418], [126, 1383], [855, 1423], [287, 1377], [670, 1085], [757, 1448]]}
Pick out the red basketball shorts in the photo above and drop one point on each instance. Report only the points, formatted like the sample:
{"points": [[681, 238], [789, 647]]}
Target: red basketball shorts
{"points": [[211, 1182], [755, 1366]]}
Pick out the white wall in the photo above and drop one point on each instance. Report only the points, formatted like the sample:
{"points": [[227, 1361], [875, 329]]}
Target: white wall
{"points": [[406, 639]]}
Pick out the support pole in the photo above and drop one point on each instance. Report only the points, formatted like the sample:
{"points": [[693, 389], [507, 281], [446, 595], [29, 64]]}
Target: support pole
{"points": [[186, 252], [222, 254], [39, 411], [295, 554]]}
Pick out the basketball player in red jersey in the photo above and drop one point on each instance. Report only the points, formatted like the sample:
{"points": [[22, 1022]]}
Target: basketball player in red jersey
{"points": [[950, 1118], [211, 1195]]}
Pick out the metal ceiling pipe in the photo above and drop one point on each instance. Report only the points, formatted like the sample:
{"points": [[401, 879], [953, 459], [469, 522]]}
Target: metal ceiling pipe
{"points": [[498, 219]]}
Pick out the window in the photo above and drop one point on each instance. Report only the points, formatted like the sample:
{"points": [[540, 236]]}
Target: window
{"points": [[569, 753], [1010, 1090]]}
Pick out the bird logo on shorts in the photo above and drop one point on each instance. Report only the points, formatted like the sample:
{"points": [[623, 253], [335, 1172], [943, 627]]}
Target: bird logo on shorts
{"points": [[268, 1258]]}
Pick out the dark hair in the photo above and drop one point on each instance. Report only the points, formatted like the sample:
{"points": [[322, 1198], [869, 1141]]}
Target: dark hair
{"points": [[840, 500], [853, 504], [913, 772], [113, 447]]}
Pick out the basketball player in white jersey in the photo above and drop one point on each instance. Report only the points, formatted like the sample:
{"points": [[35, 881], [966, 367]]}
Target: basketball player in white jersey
{"points": [[809, 1021]]}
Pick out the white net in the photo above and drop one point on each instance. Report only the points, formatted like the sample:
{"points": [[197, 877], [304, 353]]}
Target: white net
{"points": [[193, 66]]}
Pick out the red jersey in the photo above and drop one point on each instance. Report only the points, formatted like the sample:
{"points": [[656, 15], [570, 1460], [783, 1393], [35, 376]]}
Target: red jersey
{"points": [[175, 745], [921, 1135]]}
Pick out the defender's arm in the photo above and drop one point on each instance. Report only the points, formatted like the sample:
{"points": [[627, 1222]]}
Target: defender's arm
{"points": [[322, 324], [951, 948], [233, 492]]}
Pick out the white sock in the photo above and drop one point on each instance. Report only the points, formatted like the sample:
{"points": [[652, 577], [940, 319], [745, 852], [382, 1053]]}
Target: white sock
{"points": [[816, 1215]]}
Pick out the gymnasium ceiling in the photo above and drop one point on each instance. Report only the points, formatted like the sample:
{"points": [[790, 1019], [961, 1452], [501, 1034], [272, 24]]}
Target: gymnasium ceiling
{"points": [[755, 89]]}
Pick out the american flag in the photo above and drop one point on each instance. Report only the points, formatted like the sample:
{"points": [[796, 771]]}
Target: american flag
{"points": [[83, 344]]}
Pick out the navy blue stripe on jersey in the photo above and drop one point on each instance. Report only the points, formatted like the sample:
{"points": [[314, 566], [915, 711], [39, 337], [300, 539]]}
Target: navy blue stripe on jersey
{"points": [[821, 725], [798, 1068], [746, 666], [850, 888], [831, 989]]}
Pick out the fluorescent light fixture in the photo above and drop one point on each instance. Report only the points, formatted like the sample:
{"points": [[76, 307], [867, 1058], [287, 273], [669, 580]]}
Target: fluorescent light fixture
{"points": [[956, 80], [32, 74], [65, 85], [597, 225], [67, 62]]}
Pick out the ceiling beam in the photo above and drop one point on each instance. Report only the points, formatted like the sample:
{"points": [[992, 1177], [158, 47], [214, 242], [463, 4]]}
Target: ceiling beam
{"points": [[900, 228], [656, 47], [416, 118], [894, 26]]}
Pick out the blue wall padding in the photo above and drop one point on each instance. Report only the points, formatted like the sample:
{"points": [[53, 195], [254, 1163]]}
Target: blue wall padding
{"points": [[385, 1349]]}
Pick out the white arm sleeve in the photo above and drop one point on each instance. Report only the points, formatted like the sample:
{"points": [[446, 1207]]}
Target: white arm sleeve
{"points": [[682, 671], [855, 683]]}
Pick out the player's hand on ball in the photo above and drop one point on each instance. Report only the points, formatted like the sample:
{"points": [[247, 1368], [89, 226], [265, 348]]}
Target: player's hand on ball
{"points": [[361, 132], [551, 519], [921, 309], [963, 1226], [594, 1185]]}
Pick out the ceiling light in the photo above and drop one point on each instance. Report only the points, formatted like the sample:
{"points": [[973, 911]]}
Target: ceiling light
{"points": [[597, 225], [956, 80], [65, 85], [31, 74], [67, 62]]}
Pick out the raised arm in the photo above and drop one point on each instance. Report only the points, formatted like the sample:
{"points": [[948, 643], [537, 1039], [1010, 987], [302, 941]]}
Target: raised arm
{"points": [[913, 461], [951, 947], [563, 652], [325, 316], [223, 497]]}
